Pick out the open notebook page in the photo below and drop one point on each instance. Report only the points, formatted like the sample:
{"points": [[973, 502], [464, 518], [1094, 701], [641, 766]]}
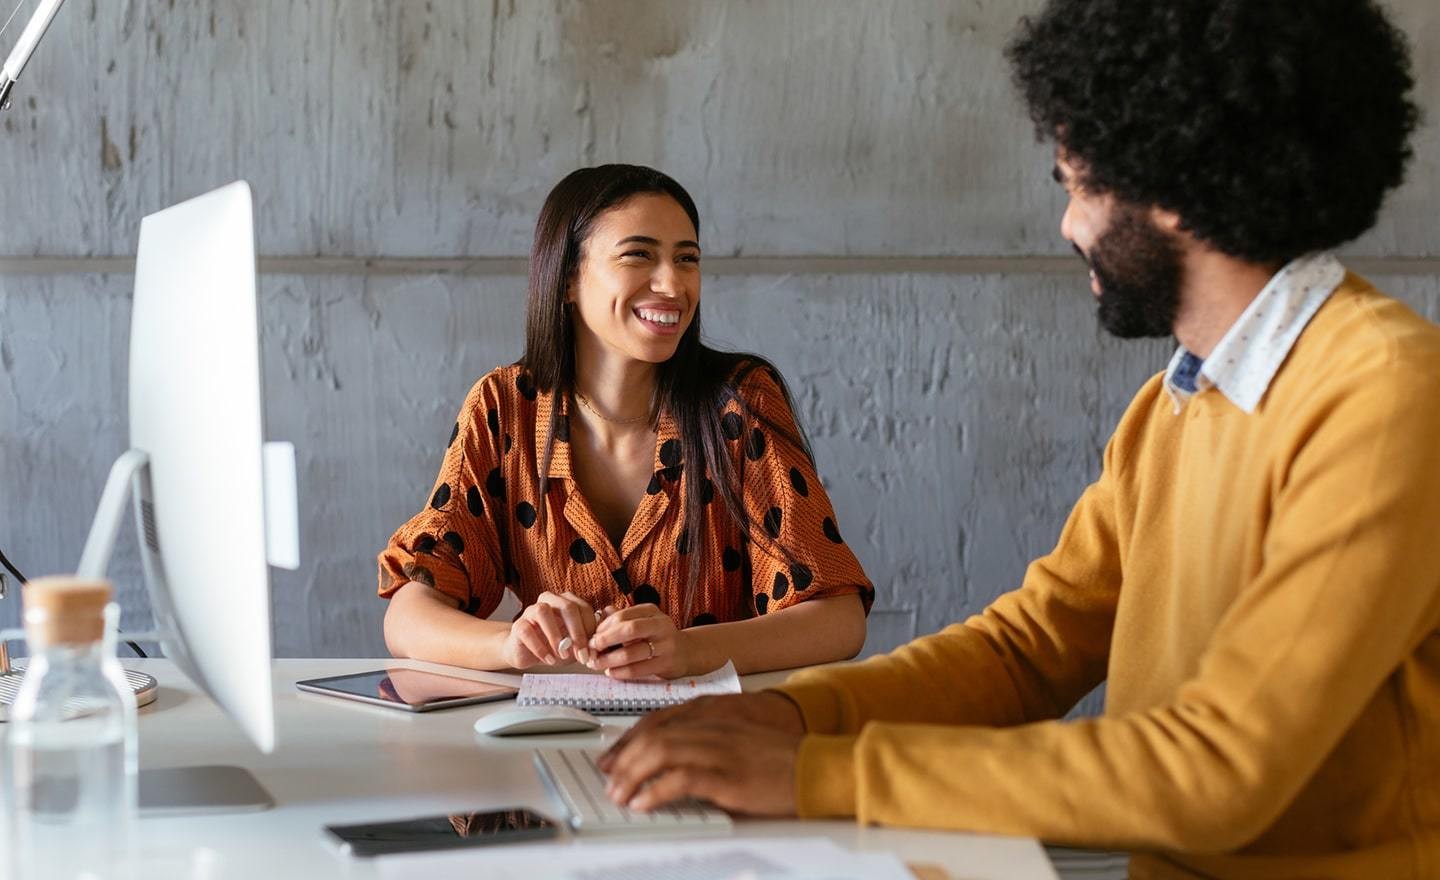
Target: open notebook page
{"points": [[604, 695]]}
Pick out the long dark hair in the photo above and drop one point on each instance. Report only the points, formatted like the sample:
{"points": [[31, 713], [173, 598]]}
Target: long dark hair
{"points": [[694, 385]]}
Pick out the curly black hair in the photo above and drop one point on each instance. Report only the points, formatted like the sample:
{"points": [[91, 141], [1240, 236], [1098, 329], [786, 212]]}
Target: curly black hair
{"points": [[1271, 128]]}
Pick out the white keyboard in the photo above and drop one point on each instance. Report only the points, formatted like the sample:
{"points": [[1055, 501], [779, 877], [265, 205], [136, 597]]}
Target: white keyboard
{"points": [[572, 775]]}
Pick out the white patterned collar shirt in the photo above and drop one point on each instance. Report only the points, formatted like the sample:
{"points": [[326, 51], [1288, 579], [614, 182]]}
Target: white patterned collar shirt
{"points": [[1247, 358]]}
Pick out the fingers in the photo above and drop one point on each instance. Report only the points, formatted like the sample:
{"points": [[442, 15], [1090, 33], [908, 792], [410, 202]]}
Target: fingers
{"points": [[530, 641], [647, 723], [632, 624], [739, 766], [656, 667], [680, 783], [548, 619], [576, 620], [648, 756]]}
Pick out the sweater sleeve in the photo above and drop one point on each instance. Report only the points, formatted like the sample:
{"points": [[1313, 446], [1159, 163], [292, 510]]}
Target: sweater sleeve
{"points": [[1031, 655], [1347, 589]]}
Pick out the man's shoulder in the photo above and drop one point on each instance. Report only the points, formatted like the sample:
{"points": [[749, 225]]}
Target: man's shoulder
{"points": [[1366, 362], [1362, 336]]}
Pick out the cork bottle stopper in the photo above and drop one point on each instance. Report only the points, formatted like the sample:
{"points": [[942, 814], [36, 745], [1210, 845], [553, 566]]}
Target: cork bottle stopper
{"points": [[65, 610]]}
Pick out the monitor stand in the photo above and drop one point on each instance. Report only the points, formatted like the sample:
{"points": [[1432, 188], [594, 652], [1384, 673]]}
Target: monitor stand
{"points": [[201, 790], [172, 790]]}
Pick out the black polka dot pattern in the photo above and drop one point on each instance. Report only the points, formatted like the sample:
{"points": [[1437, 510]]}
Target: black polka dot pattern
{"points": [[525, 385], [622, 580], [670, 453], [441, 497], [783, 508], [419, 573], [772, 522], [730, 559], [582, 552], [801, 576], [732, 426], [755, 448]]}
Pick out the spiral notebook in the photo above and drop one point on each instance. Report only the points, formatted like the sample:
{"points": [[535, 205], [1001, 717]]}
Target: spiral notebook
{"points": [[606, 696]]}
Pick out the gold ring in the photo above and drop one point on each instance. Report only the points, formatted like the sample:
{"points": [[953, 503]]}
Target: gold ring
{"points": [[652, 648]]}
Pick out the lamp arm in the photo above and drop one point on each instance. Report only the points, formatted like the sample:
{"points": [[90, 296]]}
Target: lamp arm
{"points": [[34, 30]]}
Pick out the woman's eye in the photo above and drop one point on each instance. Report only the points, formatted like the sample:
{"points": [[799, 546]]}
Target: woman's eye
{"points": [[689, 258], [636, 255]]}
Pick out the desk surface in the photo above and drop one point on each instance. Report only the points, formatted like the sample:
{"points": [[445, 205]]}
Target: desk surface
{"points": [[340, 761]]}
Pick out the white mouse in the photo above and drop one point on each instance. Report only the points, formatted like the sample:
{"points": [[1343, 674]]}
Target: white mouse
{"points": [[536, 719]]}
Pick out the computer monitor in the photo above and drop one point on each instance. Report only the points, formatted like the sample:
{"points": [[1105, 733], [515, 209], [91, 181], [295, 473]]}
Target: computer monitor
{"points": [[213, 504]]}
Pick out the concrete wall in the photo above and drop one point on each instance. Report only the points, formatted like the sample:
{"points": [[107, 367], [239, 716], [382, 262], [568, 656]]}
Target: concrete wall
{"points": [[877, 218]]}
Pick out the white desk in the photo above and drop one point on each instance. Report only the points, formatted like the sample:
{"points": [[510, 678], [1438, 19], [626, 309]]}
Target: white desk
{"points": [[340, 761]]}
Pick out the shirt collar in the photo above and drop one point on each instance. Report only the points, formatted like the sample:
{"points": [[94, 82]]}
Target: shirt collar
{"points": [[1250, 353], [667, 432]]}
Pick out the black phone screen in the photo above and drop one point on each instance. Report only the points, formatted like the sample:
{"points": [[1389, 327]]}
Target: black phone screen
{"points": [[443, 832]]}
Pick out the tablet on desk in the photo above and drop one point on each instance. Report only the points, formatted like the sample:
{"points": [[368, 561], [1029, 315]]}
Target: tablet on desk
{"points": [[410, 689]]}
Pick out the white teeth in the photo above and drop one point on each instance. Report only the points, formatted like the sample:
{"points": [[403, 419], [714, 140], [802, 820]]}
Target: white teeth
{"points": [[659, 317]]}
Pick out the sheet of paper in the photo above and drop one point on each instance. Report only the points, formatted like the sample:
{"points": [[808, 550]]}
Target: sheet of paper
{"points": [[730, 859], [599, 691]]}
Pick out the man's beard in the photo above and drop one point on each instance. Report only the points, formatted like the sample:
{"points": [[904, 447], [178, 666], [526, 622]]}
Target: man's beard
{"points": [[1138, 268]]}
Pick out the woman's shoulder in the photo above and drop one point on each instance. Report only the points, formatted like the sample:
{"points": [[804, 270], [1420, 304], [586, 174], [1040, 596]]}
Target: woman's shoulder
{"points": [[506, 385], [755, 382]]}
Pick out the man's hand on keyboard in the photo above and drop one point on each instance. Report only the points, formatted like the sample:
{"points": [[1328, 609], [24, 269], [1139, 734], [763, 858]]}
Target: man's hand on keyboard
{"points": [[770, 709], [737, 752]]}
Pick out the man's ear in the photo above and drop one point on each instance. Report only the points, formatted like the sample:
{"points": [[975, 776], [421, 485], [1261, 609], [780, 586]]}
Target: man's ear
{"points": [[1165, 219]]}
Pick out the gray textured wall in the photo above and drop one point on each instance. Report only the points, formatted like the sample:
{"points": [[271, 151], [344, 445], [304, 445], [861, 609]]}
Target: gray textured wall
{"points": [[877, 219]]}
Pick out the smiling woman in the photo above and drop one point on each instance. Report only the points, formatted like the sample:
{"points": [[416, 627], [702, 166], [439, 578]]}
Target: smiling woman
{"points": [[651, 501]]}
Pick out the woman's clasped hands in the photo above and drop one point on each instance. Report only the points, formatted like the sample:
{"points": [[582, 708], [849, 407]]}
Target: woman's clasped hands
{"points": [[630, 643]]}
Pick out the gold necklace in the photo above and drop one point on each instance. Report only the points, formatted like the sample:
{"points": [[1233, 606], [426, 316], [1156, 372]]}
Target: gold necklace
{"points": [[585, 402]]}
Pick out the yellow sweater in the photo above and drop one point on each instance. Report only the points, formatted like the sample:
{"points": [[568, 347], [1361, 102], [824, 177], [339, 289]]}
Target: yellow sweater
{"points": [[1262, 594]]}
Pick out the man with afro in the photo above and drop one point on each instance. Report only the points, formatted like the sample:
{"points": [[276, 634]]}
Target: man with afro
{"points": [[1256, 572]]}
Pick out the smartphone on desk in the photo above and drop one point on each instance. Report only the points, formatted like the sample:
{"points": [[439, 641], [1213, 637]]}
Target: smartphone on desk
{"points": [[441, 832], [412, 690]]}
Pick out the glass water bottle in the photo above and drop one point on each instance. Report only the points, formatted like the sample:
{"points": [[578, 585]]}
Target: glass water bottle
{"points": [[70, 743]]}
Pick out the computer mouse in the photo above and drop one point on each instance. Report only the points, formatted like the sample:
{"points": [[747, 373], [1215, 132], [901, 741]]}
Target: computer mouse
{"points": [[523, 720]]}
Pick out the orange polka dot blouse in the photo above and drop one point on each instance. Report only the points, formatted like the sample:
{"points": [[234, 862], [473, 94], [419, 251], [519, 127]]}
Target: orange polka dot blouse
{"points": [[480, 533]]}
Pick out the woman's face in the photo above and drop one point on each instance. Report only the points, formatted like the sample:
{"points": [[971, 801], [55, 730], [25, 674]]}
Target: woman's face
{"points": [[638, 285]]}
